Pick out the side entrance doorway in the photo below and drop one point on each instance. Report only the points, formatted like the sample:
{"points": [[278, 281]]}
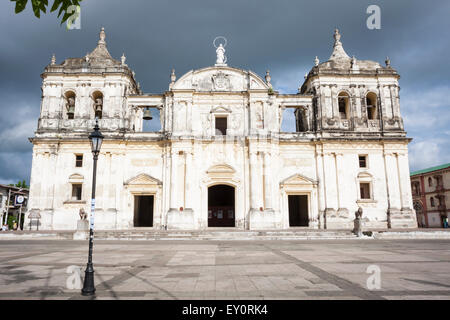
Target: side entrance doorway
{"points": [[143, 211], [298, 211], [221, 206]]}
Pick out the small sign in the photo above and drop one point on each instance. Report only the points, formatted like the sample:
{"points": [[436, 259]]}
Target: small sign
{"points": [[19, 200], [34, 214]]}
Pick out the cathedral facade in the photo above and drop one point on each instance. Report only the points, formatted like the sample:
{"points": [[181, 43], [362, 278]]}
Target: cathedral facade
{"points": [[220, 159]]}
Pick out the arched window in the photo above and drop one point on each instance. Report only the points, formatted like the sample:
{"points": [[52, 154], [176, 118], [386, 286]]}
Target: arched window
{"points": [[97, 96], [371, 103], [430, 182], [70, 104], [432, 201], [344, 105], [301, 120]]}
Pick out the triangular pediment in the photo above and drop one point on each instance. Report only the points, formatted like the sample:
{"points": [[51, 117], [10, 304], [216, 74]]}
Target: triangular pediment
{"points": [[143, 179], [220, 109], [221, 168], [298, 179]]}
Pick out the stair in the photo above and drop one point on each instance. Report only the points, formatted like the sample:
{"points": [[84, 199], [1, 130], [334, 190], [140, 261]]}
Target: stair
{"points": [[150, 234]]}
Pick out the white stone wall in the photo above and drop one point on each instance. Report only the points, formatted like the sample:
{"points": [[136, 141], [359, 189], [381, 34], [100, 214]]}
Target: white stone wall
{"points": [[178, 164]]}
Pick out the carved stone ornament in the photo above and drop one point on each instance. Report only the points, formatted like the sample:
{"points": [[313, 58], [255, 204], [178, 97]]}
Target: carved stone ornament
{"points": [[221, 81]]}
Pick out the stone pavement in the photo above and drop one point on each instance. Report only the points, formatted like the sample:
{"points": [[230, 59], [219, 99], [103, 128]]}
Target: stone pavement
{"points": [[320, 269]]}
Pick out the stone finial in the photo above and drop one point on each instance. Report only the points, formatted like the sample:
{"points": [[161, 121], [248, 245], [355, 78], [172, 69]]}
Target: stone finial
{"points": [[86, 57], [123, 59], [53, 61], [337, 36], [173, 77], [316, 61], [388, 62], [338, 49], [305, 76], [102, 37], [268, 78]]}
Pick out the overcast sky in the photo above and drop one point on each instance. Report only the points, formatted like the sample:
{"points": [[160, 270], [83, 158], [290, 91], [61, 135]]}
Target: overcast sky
{"points": [[283, 36]]}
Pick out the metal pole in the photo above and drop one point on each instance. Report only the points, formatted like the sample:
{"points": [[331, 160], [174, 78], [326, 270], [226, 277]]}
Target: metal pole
{"points": [[88, 286], [7, 207], [20, 216]]}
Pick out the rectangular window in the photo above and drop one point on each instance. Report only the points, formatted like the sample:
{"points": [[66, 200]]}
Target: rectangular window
{"points": [[363, 161], [76, 191], [78, 160], [364, 188], [221, 126]]}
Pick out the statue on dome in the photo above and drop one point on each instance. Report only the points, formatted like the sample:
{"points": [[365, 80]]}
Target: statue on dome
{"points": [[220, 51], [220, 55]]}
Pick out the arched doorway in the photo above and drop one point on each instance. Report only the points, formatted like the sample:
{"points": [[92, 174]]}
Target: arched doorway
{"points": [[221, 206]]}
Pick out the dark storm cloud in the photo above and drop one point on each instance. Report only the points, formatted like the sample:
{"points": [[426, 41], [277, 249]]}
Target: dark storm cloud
{"points": [[283, 36]]}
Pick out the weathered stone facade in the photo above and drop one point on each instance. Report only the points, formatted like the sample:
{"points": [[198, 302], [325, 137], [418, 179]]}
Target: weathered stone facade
{"points": [[350, 149]]}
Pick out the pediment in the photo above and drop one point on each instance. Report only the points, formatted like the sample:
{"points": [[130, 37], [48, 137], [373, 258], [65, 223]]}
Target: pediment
{"points": [[221, 169], [76, 176], [366, 175], [298, 179], [220, 109], [143, 179], [220, 79]]}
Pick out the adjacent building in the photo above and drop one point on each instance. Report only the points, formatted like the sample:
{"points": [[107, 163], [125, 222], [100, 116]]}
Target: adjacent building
{"points": [[431, 195], [220, 158], [13, 203]]}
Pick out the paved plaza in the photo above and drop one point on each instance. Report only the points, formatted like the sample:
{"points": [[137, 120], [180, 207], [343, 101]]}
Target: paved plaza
{"points": [[321, 269]]}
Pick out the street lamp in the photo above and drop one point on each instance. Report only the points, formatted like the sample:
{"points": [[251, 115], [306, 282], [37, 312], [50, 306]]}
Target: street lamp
{"points": [[96, 139]]}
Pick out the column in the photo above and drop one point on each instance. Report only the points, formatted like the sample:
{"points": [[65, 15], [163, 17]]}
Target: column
{"points": [[253, 180], [173, 181], [188, 190], [268, 194], [404, 181], [340, 181]]}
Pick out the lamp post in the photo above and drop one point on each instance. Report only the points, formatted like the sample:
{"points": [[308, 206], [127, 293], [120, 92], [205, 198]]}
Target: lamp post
{"points": [[96, 139]]}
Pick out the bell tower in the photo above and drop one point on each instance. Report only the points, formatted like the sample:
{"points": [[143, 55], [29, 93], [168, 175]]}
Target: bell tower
{"points": [[79, 90]]}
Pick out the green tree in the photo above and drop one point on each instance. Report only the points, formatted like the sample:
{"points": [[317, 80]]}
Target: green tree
{"points": [[20, 184], [42, 5]]}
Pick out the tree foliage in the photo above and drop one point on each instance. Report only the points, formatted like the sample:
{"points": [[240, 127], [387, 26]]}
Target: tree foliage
{"points": [[20, 184], [42, 5]]}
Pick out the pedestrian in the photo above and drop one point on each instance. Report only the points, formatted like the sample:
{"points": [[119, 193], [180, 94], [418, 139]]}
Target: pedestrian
{"points": [[14, 225], [446, 222]]}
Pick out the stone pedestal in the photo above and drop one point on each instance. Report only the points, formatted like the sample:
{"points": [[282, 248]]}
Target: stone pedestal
{"points": [[264, 220], [180, 220], [82, 225], [357, 229], [82, 232]]}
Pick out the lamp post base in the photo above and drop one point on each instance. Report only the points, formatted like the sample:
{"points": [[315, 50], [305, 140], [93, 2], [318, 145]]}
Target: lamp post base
{"points": [[88, 286]]}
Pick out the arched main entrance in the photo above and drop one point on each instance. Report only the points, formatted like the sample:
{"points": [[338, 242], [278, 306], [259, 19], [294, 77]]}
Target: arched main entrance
{"points": [[221, 206]]}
